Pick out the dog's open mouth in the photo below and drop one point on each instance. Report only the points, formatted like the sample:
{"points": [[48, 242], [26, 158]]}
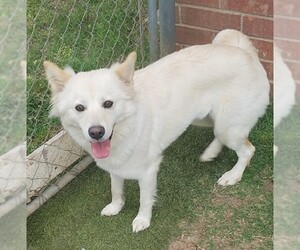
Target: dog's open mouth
{"points": [[101, 149]]}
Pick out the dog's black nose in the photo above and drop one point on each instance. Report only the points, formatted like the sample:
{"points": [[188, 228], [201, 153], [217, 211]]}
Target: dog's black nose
{"points": [[96, 132]]}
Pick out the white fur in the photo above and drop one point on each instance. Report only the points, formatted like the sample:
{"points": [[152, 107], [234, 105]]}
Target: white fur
{"points": [[219, 83], [284, 90]]}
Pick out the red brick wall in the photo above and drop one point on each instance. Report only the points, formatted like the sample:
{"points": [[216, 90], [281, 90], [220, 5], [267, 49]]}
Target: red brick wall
{"points": [[287, 34], [198, 21]]}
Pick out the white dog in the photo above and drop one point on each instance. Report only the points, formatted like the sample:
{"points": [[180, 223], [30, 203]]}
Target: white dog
{"points": [[126, 118]]}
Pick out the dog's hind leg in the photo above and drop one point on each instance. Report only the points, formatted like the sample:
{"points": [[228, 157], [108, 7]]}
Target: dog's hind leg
{"points": [[244, 150], [212, 151]]}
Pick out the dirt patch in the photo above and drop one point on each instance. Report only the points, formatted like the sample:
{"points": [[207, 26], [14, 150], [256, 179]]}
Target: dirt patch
{"points": [[189, 241], [221, 224], [183, 244], [234, 202], [230, 244], [270, 186], [197, 241]]}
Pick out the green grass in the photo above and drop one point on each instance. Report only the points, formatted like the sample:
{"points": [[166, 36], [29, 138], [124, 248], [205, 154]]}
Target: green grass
{"points": [[191, 210], [13, 228], [286, 177], [84, 34]]}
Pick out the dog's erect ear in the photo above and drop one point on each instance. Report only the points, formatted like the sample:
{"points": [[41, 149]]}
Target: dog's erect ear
{"points": [[56, 77], [125, 70]]}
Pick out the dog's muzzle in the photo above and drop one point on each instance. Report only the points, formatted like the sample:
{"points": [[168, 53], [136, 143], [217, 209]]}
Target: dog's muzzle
{"points": [[100, 148]]}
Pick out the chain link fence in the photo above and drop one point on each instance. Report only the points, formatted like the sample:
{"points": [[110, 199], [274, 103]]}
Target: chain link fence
{"points": [[85, 34], [12, 124]]}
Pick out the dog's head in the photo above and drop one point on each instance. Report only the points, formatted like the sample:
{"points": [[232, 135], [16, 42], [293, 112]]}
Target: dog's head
{"points": [[90, 104]]}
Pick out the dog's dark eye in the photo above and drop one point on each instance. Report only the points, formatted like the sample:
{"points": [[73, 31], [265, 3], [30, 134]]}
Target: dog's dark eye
{"points": [[107, 104], [79, 107]]}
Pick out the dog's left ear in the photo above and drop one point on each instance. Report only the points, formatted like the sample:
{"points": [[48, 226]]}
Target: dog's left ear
{"points": [[125, 70]]}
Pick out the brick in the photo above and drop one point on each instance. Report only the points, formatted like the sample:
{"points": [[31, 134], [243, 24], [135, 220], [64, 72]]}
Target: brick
{"points": [[177, 15], [178, 46], [260, 7], [210, 19], [287, 28], [258, 27], [289, 49], [271, 94], [190, 36], [268, 65], [290, 8], [265, 49], [207, 3]]}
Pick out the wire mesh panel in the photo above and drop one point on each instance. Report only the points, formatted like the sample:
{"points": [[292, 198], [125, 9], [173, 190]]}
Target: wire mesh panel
{"points": [[12, 123], [12, 71], [12, 97], [87, 35]]}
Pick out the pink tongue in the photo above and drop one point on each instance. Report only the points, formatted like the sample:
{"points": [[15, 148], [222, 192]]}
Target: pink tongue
{"points": [[101, 149]]}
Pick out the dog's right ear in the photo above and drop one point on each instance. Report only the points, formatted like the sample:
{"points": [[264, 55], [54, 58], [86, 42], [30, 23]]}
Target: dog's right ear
{"points": [[56, 77]]}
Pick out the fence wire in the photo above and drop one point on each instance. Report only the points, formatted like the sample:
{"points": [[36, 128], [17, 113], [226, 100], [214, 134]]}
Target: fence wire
{"points": [[12, 123], [86, 35]]}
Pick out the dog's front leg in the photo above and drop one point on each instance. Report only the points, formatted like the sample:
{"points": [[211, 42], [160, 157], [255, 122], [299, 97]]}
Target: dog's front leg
{"points": [[147, 196], [118, 200]]}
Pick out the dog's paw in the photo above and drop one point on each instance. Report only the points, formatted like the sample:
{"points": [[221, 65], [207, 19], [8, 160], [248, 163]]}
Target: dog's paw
{"points": [[112, 209], [140, 223], [204, 158], [230, 178]]}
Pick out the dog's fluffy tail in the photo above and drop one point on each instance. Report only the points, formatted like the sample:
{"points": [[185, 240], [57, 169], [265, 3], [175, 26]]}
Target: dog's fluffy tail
{"points": [[235, 38]]}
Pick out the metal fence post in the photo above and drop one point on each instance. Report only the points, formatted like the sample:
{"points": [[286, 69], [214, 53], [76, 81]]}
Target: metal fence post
{"points": [[153, 30], [167, 26]]}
